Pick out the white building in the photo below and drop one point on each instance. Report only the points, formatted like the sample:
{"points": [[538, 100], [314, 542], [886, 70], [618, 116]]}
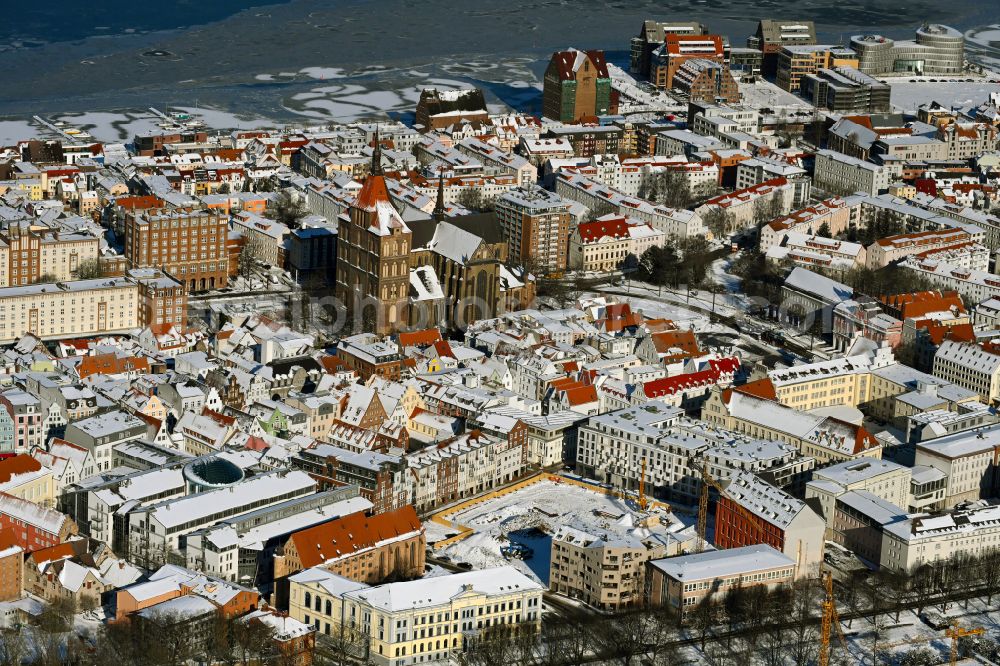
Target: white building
{"points": [[842, 174], [430, 620], [969, 366]]}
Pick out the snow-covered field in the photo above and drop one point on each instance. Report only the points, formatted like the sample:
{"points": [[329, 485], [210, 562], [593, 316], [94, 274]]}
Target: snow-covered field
{"points": [[542, 506], [907, 96]]}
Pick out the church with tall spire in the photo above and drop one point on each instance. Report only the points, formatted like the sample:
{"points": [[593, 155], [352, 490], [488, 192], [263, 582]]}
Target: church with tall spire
{"points": [[373, 256]]}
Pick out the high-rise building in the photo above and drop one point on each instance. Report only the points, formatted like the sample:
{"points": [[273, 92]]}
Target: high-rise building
{"points": [[535, 223], [577, 84], [679, 49], [651, 37], [188, 244], [772, 36], [373, 252]]}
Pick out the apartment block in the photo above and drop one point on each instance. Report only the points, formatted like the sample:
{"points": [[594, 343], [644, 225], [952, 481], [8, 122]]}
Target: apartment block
{"points": [[31, 252], [535, 223], [796, 62], [189, 245], [754, 512]]}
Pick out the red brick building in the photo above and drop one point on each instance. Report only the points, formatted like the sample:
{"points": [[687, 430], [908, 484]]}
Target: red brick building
{"points": [[32, 526], [11, 568], [677, 50], [189, 245]]}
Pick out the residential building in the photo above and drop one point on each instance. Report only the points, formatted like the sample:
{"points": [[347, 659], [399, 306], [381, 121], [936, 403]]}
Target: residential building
{"points": [[31, 526], [752, 512], [970, 366], [189, 245], [608, 571], [439, 109], [882, 478], [909, 544], [841, 174], [536, 225], [29, 253], [967, 461], [576, 85]]}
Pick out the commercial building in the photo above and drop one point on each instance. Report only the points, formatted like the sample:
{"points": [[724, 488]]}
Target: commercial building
{"points": [[683, 582], [773, 35], [426, 620], [157, 532], [535, 223], [796, 62], [679, 49], [189, 245], [651, 36], [576, 84], [844, 89], [937, 49]]}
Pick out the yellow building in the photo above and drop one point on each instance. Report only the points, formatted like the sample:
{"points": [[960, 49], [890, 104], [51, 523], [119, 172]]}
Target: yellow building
{"points": [[24, 477], [794, 62], [69, 309], [420, 621]]}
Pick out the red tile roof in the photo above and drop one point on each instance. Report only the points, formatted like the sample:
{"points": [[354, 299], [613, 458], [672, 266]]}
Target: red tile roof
{"points": [[348, 535], [591, 232], [566, 63], [419, 338], [19, 464]]}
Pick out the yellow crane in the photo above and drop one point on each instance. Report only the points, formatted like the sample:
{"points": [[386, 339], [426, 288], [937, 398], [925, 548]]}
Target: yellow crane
{"points": [[642, 487], [954, 632], [707, 480], [829, 618]]}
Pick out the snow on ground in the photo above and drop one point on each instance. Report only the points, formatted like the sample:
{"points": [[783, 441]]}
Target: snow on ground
{"points": [[12, 131], [906, 96], [762, 94], [542, 506]]}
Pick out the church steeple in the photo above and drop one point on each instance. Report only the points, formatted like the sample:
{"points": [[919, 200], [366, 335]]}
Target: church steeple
{"points": [[439, 209], [376, 167]]}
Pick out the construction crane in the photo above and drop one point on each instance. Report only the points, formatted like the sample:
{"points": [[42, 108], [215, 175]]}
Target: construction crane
{"points": [[830, 620], [954, 632], [706, 481], [642, 487]]}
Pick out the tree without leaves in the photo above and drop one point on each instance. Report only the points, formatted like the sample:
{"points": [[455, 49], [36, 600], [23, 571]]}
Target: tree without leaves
{"points": [[719, 221], [287, 208], [89, 269]]}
